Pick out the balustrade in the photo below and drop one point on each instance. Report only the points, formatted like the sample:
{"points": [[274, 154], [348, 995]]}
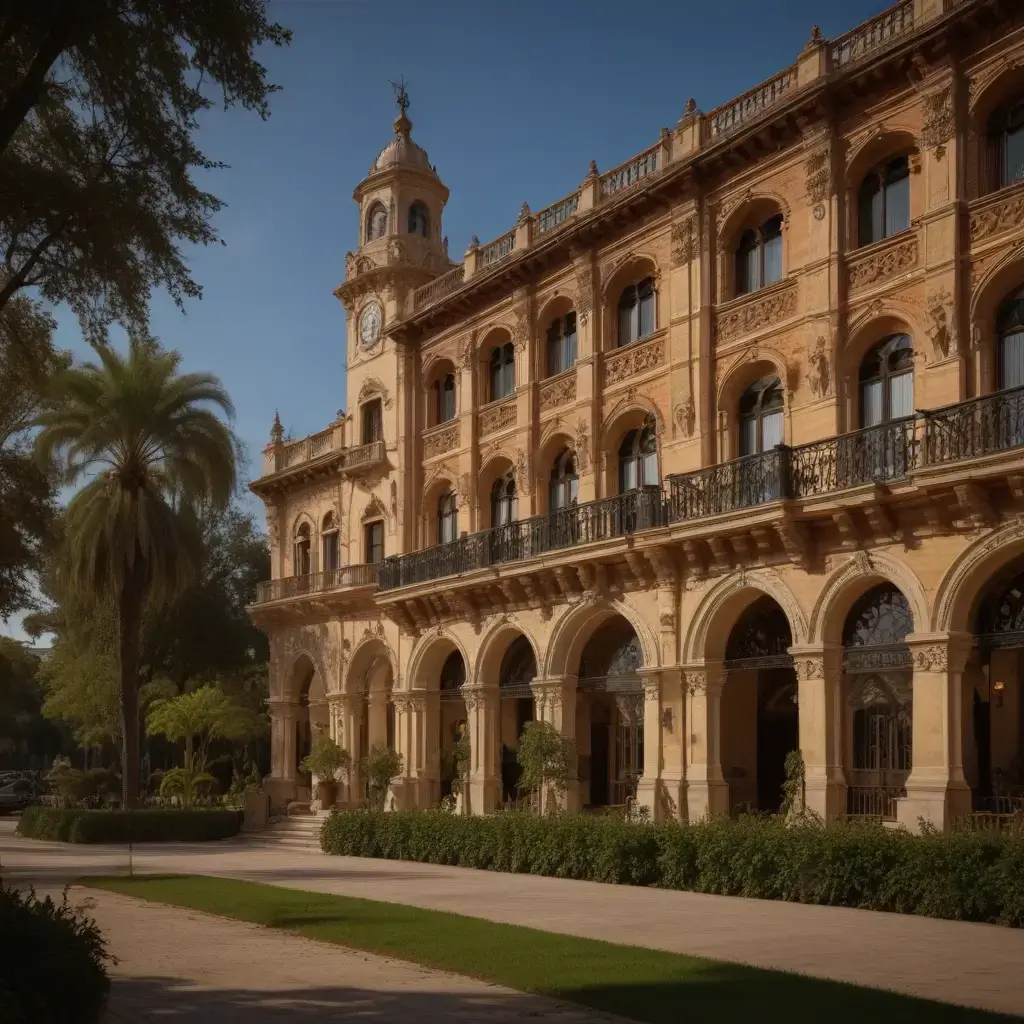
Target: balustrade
{"points": [[364, 454], [439, 287], [993, 423], [631, 173], [497, 250], [876, 34], [751, 105], [317, 582], [552, 216]]}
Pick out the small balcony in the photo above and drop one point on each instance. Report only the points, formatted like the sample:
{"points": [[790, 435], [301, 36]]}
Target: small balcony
{"points": [[314, 583]]}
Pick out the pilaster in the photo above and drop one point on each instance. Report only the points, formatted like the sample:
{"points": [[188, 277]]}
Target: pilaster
{"points": [[482, 721], [707, 792], [554, 701]]}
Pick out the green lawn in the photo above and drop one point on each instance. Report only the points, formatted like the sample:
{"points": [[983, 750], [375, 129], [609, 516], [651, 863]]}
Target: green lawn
{"points": [[643, 984]]}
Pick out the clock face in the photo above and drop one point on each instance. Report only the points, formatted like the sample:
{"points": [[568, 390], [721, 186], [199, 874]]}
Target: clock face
{"points": [[369, 325]]}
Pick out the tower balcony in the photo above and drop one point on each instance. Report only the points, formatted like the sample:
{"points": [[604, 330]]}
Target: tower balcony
{"points": [[347, 589], [321, 454]]}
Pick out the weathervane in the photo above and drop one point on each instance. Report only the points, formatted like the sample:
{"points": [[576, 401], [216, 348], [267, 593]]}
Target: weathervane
{"points": [[401, 95]]}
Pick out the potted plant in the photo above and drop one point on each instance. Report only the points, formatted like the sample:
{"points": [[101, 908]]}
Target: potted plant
{"points": [[324, 762]]}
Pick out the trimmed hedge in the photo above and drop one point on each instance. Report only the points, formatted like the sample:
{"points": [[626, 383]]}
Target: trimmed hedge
{"points": [[958, 876], [52, 968], [143, 826]]}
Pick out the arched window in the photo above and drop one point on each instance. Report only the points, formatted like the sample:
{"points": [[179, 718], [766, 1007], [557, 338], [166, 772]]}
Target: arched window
{"points": [[638, 459], [518, 666], [376, 222], [887, 382], [1006, 143], [881, 618], [503, 372], [759, 256], [883, 202], [373, 421], [1010, 331], [330, 543], [447, 518], [565, 482], [636, 312], [453, 673], [562, 344], [762, 636], [444, 399], [302, 551], [419, 220], [761, 417], [503, 501]]}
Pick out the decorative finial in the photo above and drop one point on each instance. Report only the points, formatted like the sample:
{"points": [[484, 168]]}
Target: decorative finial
{"points": [[524, 211], [593, 169], [401, 95], [690, 108], [815, 39], [475, 243], [276, 431]]}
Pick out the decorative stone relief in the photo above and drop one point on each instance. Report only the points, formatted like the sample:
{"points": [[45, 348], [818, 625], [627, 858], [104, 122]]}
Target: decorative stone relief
{"points": [[498, 417], [881, 266], [465, 487], [997, 218], [684, 418], [437, 442], [819, 375], [939, 123], [725, 207], [753, 315], [810, 668], [394, 499], [931, 658], [558, 392], [374, 509], [522, 472], [943, 330], [373, 386], [696, 682], [633, 360], [818, 180], [584, 286], [684, 242], [521, 322], [582, 446], [467, 346]]}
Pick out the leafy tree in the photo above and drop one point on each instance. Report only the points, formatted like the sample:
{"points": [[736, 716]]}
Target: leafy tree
{"points": [[380, 767], [153, 450], [548, 760], [99, 105], [26, 738]]}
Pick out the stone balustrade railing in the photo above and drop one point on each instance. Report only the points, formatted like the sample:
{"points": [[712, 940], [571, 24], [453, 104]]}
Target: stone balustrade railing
{"points": [[874, 35]]}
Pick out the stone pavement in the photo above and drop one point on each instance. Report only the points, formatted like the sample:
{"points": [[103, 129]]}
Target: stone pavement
{"points": [[195, 969], [971, 964]]}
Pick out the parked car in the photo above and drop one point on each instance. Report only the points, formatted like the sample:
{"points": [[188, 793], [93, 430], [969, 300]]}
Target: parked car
{"points": [[16, 795]]}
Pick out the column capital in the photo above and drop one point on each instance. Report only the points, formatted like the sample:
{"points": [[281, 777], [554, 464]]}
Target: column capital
{"points": [[705, 677], [479, 696], [816, 662], [940, 652]]}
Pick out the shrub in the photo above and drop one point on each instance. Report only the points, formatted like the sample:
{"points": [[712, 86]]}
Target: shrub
{"points": [[960, 876], [380, 767], [52, 969], [144, 826]]}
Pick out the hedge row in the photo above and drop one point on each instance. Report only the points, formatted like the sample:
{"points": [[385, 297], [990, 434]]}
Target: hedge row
{"points": [[52, 970], [144, 826], [959, 876]]}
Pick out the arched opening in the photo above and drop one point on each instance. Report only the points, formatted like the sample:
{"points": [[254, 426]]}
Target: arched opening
{"points": [[610, 715], [372, 415], [330, 543], [994, 683], [303, 550], [561, 344], [637, 315], [886, 391], [419, 220], [638, 458], [877, 684], [376, 222], [1010, 342], [453, 722], [883, 201], [312, 719], [759, 709], [503, 372], [1006, 143], [564, 484], [506, 541], [760, 417], [442, 392], [447, 518], [759, 256], [518, 670]]}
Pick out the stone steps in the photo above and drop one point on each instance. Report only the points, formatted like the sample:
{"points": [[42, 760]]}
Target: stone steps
{"points": [[295, 832]]}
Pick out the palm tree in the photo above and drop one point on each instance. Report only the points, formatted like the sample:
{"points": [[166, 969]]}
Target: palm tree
{"points": [[150, 449]]}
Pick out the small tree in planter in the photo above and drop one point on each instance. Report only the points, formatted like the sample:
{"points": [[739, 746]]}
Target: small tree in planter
{"points": [[460, 757], [380, 767], [324, 761], [548, 761]]}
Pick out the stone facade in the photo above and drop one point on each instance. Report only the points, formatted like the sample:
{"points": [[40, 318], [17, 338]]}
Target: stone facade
{"points": [[653, 466]]}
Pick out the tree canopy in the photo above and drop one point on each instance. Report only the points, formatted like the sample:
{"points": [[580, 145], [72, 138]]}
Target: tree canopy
{"points": [[100, 102]]}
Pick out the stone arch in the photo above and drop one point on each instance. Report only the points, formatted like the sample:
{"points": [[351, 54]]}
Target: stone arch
{"points": [[723, 604], [578, 624], [630, 412], [436, 366], [375, 509], [628, 269], [879, 145], [428, 656], [998, 283], [885, 321], [370, 660], [438, 485], [557, 304], [493, 645], [966, 578], [753, 210], [857, 575], [303, 518], [747, 368], [303, 666], [988, 92]]}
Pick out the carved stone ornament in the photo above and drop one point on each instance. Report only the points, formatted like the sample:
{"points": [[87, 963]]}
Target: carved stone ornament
{"points": [[465, 356], [696, 683], [819, 375], [374, 509], [273, 526], [684, 242], [818, 177], [437, 442], [939, 122], [465, 487], [394, 499], [522, 472], [997, 218], [685, 417], [372, 387], [633, 360], [881, 266], [584, 288], [499, 416], [521, 324], [942, 331], [931, 658], [582, 447], [558, 392], [756, 314], [810, 668], [667, 620]]}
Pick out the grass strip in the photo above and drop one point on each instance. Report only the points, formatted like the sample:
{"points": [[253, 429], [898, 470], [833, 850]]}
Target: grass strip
{"points": [[643, 984]]}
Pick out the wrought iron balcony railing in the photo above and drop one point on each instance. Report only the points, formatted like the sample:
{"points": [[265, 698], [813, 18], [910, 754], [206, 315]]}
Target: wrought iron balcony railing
{"points": [[881, 454], [317, 582]]}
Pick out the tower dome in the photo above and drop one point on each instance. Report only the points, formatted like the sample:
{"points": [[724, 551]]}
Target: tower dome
{"points": [[401, 151]]}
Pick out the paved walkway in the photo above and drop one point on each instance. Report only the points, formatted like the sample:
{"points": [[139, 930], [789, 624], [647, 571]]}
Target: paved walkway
{"points": [[230, 972], [971, 964]]}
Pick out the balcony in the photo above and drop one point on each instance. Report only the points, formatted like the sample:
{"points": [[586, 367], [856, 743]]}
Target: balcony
{"points": [[310, 584], [799, 476]]}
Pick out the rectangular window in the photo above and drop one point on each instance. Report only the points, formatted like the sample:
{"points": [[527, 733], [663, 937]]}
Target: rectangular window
{"points": [[332, 560], [771, 431], [1011, 362], [871, 404], [373, 422], [374, 542], [901, 396], [773, 259], [646, 312], [897, 206], [627, 325], [448, 404]]}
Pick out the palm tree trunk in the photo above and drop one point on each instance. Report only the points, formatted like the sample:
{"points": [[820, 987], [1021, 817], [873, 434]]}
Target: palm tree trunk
{"points": [[129, 623]]}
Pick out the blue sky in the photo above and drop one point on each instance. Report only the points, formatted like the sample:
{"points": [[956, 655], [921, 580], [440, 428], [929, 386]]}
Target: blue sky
{"points": [[511, 101]]}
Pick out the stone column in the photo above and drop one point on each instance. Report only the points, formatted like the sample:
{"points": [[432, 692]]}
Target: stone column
{"points": [[482, 721], [377, 710], [937, 791], [349, 720], [408, 743], [819, 673], [649, 789], [707, 792], [554, 701], [281, 782]]}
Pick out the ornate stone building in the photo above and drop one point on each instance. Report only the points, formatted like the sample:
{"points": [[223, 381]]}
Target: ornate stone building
{"points": [[718, 457]]}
